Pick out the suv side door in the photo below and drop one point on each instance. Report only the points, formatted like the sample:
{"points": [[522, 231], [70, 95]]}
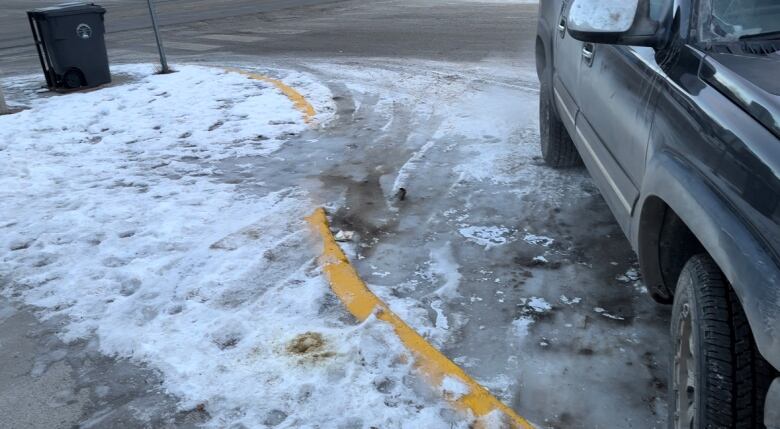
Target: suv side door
{"points": [[566, 64], [616, 92]]}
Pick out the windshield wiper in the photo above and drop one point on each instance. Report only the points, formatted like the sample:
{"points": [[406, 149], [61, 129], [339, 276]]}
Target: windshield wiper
{"points": [[769, 35]]}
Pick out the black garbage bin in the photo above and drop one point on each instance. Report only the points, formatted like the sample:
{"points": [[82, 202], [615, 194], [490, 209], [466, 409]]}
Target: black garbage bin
{"points": [[71, 46]]}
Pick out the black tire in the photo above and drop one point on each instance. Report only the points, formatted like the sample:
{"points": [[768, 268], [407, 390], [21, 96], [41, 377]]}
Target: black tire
{"points": [[730, 378], [558, 150]]}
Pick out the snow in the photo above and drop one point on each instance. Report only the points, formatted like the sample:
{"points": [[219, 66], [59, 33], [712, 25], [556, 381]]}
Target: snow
{"points": [[570, 301], [454, 388], [344, 236], [603, 15], [488, 236], [521, 325], [402, 178], [634, 278], [415, 314], [540, 240], [443, 265], [630, 275], [539, 305], [604, 313], [531, 307], [441, 319], [116, 216]]}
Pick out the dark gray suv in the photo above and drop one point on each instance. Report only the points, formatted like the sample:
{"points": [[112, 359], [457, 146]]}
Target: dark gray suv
{"points": [[674, 108]]}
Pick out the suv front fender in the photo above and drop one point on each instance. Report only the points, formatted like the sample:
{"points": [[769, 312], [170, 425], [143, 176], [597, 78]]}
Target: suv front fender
{"points": [[748, 266]]}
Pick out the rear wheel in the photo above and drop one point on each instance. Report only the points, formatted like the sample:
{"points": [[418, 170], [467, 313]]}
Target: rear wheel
{"points": [[558, 150], [718, 380]]}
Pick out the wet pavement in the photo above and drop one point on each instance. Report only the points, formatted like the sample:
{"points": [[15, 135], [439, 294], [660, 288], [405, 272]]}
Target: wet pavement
{"points": [[50, 384], [516, 271]]}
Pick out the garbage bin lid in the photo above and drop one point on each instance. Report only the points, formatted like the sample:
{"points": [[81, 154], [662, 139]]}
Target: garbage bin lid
{"points": [[72, 8]]}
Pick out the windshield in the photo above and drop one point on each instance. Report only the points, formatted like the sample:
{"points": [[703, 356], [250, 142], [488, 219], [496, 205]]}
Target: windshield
{"points": [[727, 20]]}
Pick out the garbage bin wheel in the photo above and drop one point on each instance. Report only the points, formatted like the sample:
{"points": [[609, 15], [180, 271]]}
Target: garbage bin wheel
{"points": [[73, 79]]}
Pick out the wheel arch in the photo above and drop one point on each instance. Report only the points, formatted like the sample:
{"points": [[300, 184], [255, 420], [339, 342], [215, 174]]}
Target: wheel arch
{"points": [[665, 244], [680, 211], [543, 49], [541, 57]]}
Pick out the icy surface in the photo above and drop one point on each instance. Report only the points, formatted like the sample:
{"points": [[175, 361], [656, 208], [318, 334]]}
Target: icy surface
{"points": [[115, 216], [466, 146]]}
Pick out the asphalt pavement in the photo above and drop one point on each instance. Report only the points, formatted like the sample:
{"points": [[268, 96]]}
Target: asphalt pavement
{"points": [[134, 15], [294, 30]]}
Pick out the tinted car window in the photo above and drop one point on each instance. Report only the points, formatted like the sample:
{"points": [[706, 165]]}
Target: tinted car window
{"points": [[726, 20]]}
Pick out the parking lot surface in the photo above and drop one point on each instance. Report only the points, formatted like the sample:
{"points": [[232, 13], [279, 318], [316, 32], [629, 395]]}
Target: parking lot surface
{"points": [[516, 271]]}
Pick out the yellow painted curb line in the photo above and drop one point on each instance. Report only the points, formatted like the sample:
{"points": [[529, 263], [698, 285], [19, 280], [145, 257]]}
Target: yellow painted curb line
{"points": [[299, 101], [361, 302]]}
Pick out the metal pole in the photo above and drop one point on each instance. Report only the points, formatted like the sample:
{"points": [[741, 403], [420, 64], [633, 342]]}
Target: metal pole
{"points": [[3, 106], [163, 61]]}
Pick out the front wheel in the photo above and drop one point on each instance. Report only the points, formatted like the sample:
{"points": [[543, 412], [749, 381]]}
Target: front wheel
{"points": [[718, 380]]}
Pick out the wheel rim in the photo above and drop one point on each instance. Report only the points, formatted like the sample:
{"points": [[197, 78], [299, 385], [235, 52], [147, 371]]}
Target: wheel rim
{"points": [[685, 373]]}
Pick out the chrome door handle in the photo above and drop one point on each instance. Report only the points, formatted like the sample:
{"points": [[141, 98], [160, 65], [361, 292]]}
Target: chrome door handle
{"points": [[562, 26], [587, 53]]}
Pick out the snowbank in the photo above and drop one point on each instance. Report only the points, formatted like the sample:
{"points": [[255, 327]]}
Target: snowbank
{"points": [[114, 215]]}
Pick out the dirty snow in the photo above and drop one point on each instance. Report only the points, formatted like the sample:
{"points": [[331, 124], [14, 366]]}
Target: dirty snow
{"points": [[488, 236], [115, 217]]}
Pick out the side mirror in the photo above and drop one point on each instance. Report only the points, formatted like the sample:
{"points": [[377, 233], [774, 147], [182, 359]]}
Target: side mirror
{"points": [[616, 22]]}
